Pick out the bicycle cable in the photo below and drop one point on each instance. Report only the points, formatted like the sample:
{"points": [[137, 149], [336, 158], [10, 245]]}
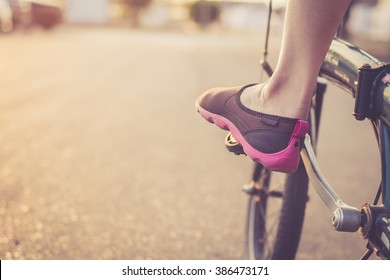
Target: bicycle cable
{"points": [[378, 194], [267, 68], [375, 128]]}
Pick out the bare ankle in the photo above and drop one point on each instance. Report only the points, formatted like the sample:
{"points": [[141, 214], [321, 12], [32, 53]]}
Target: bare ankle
{"points": [[277, 99]]}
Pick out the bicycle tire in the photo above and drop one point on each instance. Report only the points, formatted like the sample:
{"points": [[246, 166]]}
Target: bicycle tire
{"points": [[282, 243]]}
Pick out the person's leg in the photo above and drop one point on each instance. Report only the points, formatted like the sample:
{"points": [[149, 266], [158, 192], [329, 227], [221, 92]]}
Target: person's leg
{"points": [[309, 29], [269, 120]]}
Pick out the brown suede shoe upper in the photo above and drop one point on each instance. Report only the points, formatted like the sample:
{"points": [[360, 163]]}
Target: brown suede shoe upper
{"points": [[266, 133]]}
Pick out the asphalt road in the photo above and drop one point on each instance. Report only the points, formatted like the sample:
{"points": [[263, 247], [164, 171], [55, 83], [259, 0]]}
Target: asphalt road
{"points": [[103, 156]]}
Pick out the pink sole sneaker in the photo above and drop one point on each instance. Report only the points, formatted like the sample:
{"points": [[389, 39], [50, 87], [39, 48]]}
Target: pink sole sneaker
{"points": [[270, 140]]}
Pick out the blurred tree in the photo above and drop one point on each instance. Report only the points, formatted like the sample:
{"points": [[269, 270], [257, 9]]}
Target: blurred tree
{"points": [[136, 7], [205, 12]]}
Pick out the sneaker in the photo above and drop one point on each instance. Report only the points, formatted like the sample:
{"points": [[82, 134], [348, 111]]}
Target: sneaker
{"points": [[273, 141]]}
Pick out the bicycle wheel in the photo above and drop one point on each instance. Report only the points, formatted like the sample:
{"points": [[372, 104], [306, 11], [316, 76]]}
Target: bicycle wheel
{"points": [[277, 202], [275, 215]]}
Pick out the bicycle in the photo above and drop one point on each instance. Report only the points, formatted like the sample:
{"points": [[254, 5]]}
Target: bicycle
{"points": [[367, 80]]}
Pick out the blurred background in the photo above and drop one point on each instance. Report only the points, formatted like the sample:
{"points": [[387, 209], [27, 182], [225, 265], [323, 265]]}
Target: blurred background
{"points": [[102, 154], [366, 18]]}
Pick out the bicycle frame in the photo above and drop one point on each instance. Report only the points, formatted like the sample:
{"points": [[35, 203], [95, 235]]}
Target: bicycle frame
{"points": [[368, 80]]}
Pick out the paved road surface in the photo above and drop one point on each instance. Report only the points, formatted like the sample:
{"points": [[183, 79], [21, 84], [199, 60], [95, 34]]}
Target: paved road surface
{"points": [[102, 155]]}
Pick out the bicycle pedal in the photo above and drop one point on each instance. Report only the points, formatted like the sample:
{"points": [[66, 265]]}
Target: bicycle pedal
{"points": [[233, 146]]}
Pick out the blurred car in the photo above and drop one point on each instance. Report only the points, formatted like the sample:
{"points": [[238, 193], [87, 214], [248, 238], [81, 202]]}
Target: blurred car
{"points": [[45, 15], [26, 14]]}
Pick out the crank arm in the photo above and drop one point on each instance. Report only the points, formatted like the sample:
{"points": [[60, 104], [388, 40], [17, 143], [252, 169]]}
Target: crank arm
{"points": [[344, 217]]}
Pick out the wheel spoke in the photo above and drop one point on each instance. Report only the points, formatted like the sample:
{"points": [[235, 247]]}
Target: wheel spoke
{"points": [[268, 204]]}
